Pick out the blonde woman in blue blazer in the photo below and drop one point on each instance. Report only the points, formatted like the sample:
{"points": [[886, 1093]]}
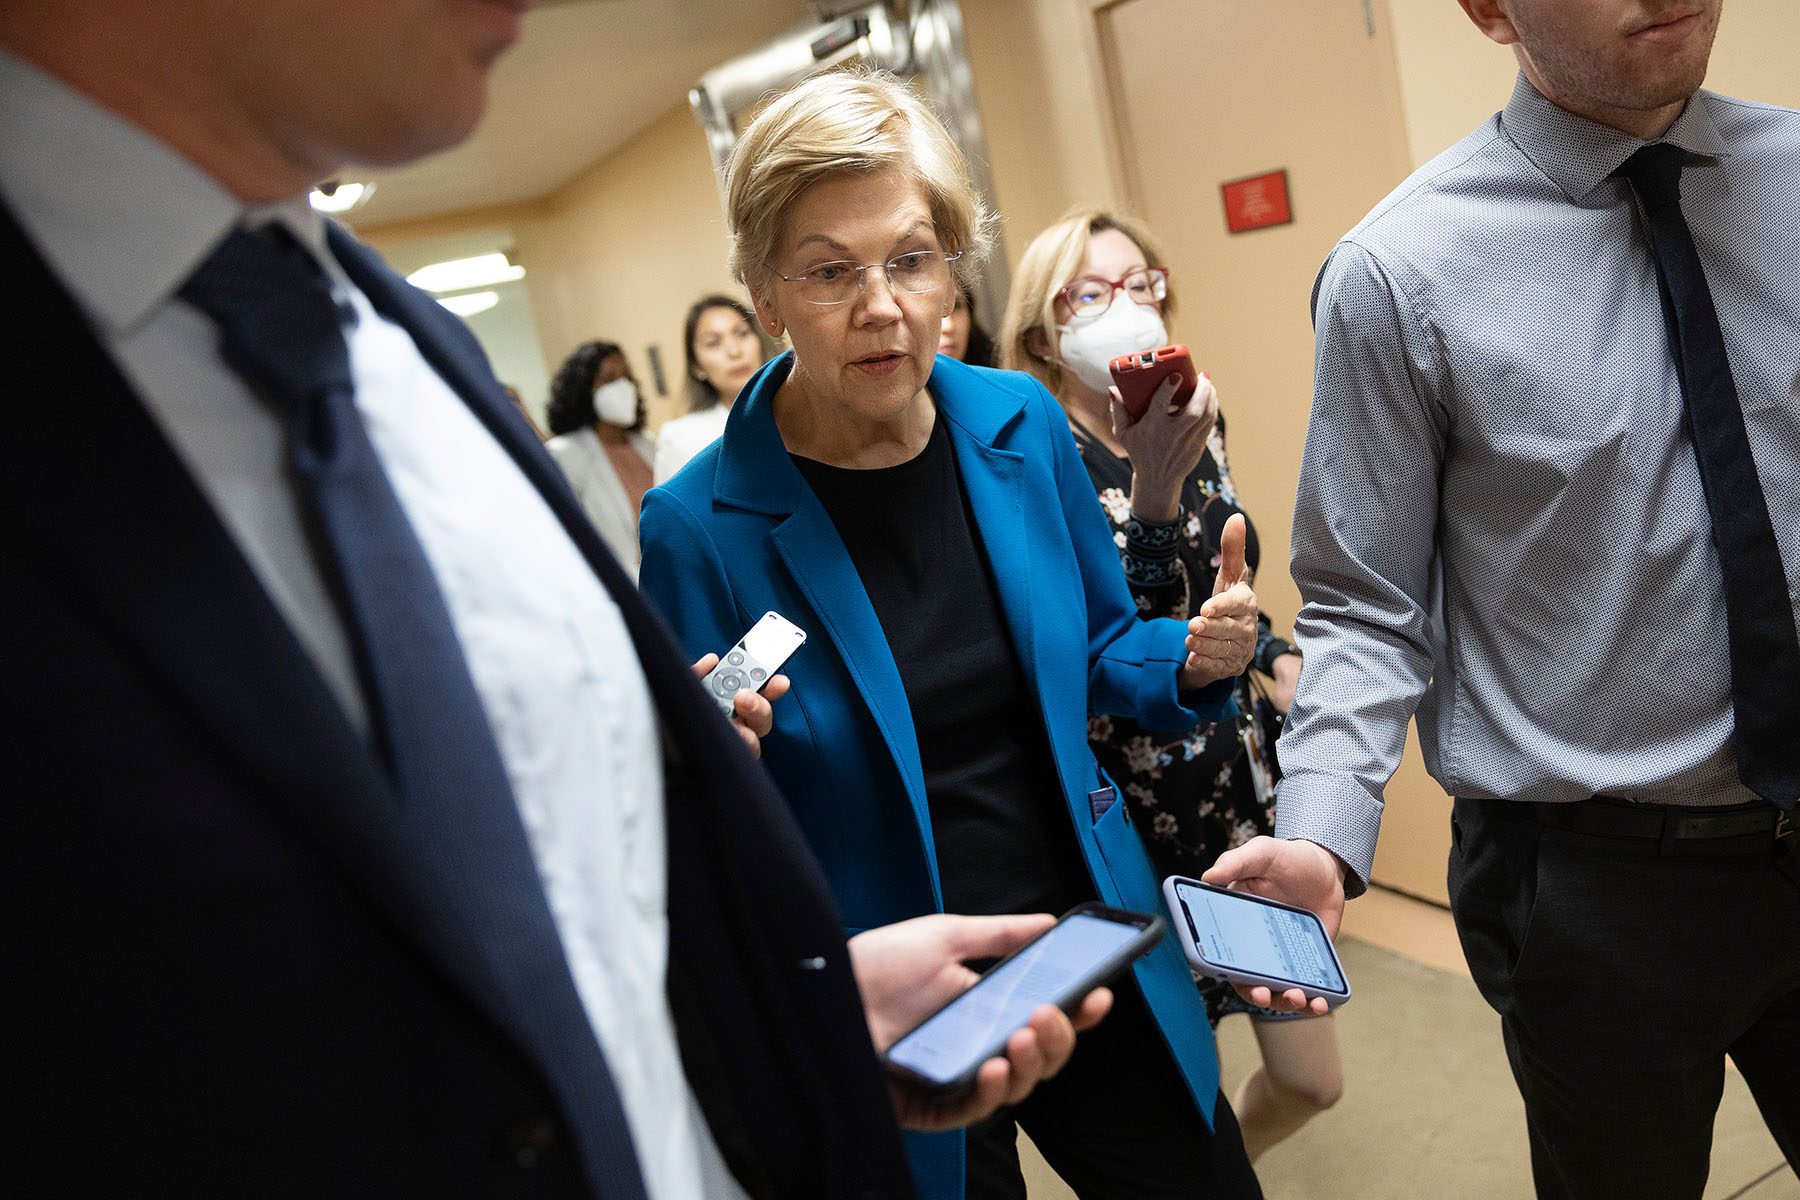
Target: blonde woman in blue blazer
{"points": [[931, 526]]}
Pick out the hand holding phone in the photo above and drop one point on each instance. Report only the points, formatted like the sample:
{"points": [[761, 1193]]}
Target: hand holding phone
{"points": [[1254, 941], [1088, 946], [1138, 374], [908, 970]]}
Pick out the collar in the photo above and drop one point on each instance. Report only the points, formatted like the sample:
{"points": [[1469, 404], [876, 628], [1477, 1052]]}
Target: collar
{"points": [[756, 473], [1578, 154], [122, 218]]}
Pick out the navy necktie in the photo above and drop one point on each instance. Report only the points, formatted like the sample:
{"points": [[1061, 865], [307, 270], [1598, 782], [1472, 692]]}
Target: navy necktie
{"points": [[1759, 617], [282, 331]]}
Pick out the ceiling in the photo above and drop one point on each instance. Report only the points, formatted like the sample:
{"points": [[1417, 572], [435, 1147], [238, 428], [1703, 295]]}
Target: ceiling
{"points": [[585, 76]]}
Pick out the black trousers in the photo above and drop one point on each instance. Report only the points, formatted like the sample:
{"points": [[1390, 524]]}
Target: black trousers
{"points": [[1622, 980], [1117, 1123]]}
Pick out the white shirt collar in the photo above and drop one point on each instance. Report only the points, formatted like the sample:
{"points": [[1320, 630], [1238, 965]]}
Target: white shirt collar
{"points": [[121, 216]]}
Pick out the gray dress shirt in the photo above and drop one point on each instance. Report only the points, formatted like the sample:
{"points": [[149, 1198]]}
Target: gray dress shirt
{"points": [[1500, 524]]}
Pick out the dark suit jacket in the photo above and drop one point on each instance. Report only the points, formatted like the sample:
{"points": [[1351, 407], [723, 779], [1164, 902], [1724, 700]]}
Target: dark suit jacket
{"points": [[227, 970]]}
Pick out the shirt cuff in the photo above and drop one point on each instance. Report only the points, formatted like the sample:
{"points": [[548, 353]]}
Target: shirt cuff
{"points": [[1337, 814], [1150, 558], [1161, 705]]}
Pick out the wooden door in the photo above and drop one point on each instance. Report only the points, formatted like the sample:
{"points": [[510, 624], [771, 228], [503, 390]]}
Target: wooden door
{"points": [[1206, 91]]}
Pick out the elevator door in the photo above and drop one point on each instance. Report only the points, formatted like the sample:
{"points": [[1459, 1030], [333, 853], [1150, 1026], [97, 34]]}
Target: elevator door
{"points": [[1198, 99]]}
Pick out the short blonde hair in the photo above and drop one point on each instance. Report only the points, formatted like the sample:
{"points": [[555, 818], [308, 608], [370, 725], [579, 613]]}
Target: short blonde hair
{"points": [[847, 122], [1047, 266]]}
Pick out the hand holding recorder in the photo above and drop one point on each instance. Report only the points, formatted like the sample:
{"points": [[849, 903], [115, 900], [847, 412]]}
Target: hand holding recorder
{"points": [[744, 683]]}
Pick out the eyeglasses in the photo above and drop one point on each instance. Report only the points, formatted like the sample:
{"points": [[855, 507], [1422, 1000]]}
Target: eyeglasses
{"points": [[1089, 296], [914, 274]]}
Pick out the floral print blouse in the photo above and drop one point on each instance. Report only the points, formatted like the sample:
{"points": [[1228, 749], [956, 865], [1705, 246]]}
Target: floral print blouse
{"points": [[1191, 791]]}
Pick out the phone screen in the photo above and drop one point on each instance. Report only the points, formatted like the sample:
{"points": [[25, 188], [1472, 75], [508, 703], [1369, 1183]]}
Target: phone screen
{"points": [[978, 1022], [1244, 934]]}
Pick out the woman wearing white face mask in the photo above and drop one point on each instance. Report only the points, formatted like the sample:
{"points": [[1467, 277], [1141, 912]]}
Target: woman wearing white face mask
{"points": [[596, 419], [1087, 289]]}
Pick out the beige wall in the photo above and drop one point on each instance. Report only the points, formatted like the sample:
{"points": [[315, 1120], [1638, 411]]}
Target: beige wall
{"points": [[624, 249], [617, 253], [1452, 78], [1042, 108], [1755, 53]]}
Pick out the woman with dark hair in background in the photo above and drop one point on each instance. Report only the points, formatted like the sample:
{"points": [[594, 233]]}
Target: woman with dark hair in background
{"points": [[596, 418], [962, 336], [722, 352]]}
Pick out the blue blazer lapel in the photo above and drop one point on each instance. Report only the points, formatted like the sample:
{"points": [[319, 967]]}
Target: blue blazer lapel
{"points": [[759, 476]]}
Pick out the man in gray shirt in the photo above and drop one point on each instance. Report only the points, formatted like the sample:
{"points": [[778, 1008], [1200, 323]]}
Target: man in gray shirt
{"points": [[1548, 503]]}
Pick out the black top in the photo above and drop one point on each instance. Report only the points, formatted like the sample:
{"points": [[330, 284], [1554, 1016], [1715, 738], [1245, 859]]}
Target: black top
{"points": [[999, 820]]}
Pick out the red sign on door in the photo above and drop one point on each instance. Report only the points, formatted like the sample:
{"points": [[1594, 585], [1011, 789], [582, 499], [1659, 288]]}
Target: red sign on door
{"points": [[1257, 202]]}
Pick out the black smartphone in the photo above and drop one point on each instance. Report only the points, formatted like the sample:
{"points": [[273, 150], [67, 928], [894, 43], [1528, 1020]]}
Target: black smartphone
{"points": [[1089, 945]]}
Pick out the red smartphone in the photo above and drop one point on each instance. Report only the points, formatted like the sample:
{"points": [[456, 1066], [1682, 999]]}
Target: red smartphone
{"points": [[1138, 374]]}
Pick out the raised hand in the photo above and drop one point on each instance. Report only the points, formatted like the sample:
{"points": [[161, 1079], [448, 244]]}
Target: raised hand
{"points": [[1222, 638]]}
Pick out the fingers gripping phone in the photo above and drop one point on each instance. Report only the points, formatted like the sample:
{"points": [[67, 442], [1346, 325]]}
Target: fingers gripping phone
{"points": [[1088, 946], [754, 660], [1254, 941], [1139, 373]]}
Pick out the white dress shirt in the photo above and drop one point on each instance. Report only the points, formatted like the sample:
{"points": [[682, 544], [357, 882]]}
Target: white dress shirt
{"points": [[123, 220], [679, 440]]}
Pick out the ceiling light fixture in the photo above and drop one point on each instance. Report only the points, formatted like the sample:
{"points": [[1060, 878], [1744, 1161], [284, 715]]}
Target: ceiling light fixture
{"points": [[462, 274], [470, 303], [334, 197]]}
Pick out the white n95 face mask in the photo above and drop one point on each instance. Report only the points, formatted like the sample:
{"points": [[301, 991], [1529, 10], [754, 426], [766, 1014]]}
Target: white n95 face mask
{"points": [[1089, 344], [616, 402]]}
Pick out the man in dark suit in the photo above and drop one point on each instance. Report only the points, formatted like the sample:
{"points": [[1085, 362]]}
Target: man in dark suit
{"points": [[364, 833]]}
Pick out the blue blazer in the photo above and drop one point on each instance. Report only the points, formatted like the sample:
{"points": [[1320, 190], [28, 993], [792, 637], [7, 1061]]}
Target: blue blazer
{"points": [[739, 532], [240, 971]]}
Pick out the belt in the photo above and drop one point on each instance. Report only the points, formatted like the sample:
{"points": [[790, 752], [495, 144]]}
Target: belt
{"points": [[1740, 829]]}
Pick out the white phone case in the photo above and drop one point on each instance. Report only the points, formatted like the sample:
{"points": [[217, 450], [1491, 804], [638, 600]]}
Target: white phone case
{"points": [[1184, 931]]}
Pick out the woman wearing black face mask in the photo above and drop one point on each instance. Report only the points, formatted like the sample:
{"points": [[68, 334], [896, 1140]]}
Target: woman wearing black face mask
{"points": [[596, 418]]}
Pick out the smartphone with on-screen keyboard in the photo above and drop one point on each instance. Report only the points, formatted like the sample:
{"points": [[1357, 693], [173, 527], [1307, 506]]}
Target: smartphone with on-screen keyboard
{"points": [[1252, 940]]}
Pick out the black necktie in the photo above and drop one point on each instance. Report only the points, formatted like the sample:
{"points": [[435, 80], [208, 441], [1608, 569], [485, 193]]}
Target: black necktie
{"points": [[1759, 617], [282, 331]]}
